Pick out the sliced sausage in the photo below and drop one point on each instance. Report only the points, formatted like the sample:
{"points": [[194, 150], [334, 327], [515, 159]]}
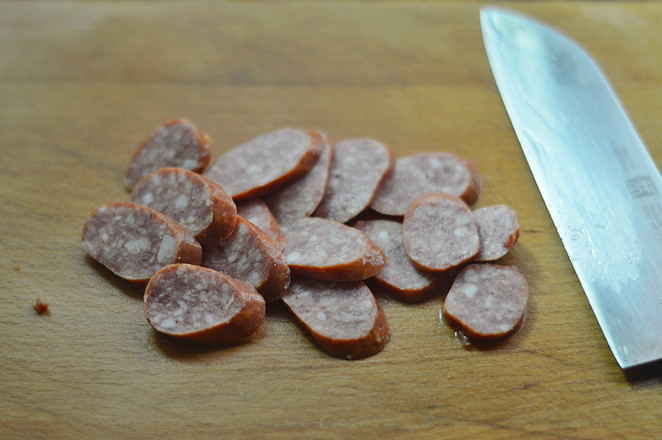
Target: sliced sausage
{"points": [[266, 163], [134, 241], [202, 305], [258, 213], [342, 318], [178, 143], [498, 228], [415, 175], [487, 300], [439, 232], [358, 168], [249, 255], [327, 250], [401, 278], [193, 200], [300, 198]]}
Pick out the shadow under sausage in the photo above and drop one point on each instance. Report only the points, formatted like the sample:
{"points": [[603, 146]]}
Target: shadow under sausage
{"points": [[438, 289], [133, 290], [185, 350], [483, 344], [278, 310], [370, 214]]}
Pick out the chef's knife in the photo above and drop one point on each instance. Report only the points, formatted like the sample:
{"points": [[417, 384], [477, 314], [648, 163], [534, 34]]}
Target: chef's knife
{"points": [[600, 185]]}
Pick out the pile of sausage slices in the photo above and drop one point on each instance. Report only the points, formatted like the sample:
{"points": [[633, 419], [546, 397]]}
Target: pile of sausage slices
{"points": [[290, 217]]}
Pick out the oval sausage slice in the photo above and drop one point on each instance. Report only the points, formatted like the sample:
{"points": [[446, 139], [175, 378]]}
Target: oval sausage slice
{"points": [[327, 250], [178, 143], [358, 168], [498, 228], [344, 319], [415, 175], [134, 241], [439, 232], [249, 255], [258, 213], [202, 305], [487, 300], [265, 163], [300, 198], [400, 276], [189, 198]]}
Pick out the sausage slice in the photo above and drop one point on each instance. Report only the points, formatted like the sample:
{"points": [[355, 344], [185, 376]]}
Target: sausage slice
{"points": [[401, 278], [134, 241], [327, 250], [178, 143], [193, 200], [300, 198], [358, 168], [249, 255], [202, 305], [439, 232], [344, 319], [258, 213], [415, 175], [487, 300], [498, 228], [266, 163]]}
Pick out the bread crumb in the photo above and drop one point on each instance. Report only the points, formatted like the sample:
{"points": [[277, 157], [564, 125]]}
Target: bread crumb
{"points": [[40, 306]]}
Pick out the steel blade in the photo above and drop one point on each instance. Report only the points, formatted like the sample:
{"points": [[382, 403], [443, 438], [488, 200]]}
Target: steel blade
{"points": [[600, 185]]}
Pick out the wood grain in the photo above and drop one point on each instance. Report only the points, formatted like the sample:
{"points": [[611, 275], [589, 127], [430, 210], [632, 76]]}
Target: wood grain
{"points": [[82, 83]]}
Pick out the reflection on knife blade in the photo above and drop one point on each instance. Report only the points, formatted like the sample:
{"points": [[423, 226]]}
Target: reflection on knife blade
{"points": [[598, 181]]}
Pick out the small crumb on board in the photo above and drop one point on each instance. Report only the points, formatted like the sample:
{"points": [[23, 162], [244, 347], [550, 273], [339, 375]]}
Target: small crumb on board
{"points": [[40, 307]]}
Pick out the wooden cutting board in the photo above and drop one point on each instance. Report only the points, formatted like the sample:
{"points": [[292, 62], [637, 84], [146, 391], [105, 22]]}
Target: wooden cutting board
{"points": [[83, 83]]}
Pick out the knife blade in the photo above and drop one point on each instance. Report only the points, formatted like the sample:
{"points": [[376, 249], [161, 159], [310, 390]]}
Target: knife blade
{"points": [[599, 182]]}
